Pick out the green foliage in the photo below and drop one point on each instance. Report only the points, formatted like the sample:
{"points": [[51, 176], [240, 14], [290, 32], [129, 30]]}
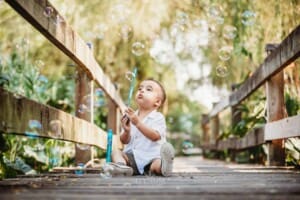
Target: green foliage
{"points": [[292, 146], [252, 115], [292, 105], [61, 94], [19, 77]]}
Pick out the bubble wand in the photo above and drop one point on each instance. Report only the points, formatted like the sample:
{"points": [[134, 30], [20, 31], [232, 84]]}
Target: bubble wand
{"points": [[132, 82]]}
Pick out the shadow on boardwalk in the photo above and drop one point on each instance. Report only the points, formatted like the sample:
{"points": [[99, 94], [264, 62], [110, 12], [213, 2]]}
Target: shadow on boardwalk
{"points": [[194, 178]]}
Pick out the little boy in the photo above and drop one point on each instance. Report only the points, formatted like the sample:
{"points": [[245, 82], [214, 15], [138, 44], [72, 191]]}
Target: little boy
{"points": [[144, 135]]}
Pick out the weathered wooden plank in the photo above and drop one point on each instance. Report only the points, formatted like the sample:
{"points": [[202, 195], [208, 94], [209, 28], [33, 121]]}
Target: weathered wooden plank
{"points": [[284, 128], [16, 113], [220, 106], [67, 40], [193, 177], [287, 52], [251, 139]]}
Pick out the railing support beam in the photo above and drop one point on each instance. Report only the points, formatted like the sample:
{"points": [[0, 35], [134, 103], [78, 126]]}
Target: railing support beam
{"points": [[275, 111]]}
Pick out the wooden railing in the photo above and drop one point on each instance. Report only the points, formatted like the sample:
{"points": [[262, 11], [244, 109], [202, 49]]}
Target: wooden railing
{"points": [[17, 111], [277, 128]]}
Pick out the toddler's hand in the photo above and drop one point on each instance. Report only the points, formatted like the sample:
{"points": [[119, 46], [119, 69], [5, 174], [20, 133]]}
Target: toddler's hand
{"points": [[132, 116], [125, 122]]}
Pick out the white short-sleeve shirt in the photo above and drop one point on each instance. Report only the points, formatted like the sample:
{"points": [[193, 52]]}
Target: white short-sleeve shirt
{"points": [[144, 149]]}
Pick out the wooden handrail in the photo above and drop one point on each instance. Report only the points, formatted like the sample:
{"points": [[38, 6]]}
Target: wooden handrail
{"points": [[67, 40], [287, 52], [285, 128], [17, 111]]}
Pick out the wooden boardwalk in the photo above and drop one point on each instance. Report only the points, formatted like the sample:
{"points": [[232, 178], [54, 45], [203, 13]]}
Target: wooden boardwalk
{"points": [[194, 178]]}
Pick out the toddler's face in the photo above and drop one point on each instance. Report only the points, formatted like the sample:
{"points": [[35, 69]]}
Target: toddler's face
{"points": [[149, 94]]}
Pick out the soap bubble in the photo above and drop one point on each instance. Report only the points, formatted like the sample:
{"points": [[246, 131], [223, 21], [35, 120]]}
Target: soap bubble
{"points": [[222, 71], [85, 106], [107, 169], [55, 129], [248, 18], [129, 75], [79, 169], [138, 48], [229, 32], [48, 11], [33, 129], [83, 109], [225, 53], [43, 79], [54, 157], [215, 12], [99, 99]]}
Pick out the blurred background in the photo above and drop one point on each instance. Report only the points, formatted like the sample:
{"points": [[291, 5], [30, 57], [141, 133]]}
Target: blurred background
{"points": [[197, 49]]}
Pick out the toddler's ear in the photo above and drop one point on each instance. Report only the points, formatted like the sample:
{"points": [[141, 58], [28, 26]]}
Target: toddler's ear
{"points": [[158, 103]]}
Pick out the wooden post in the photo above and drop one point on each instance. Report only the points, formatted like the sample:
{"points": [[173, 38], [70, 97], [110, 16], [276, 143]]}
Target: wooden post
{"points": [[214, 127], [113, 117], [236, 117], [275, 111], [113, 122], [205, 129], [84, 110]]}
